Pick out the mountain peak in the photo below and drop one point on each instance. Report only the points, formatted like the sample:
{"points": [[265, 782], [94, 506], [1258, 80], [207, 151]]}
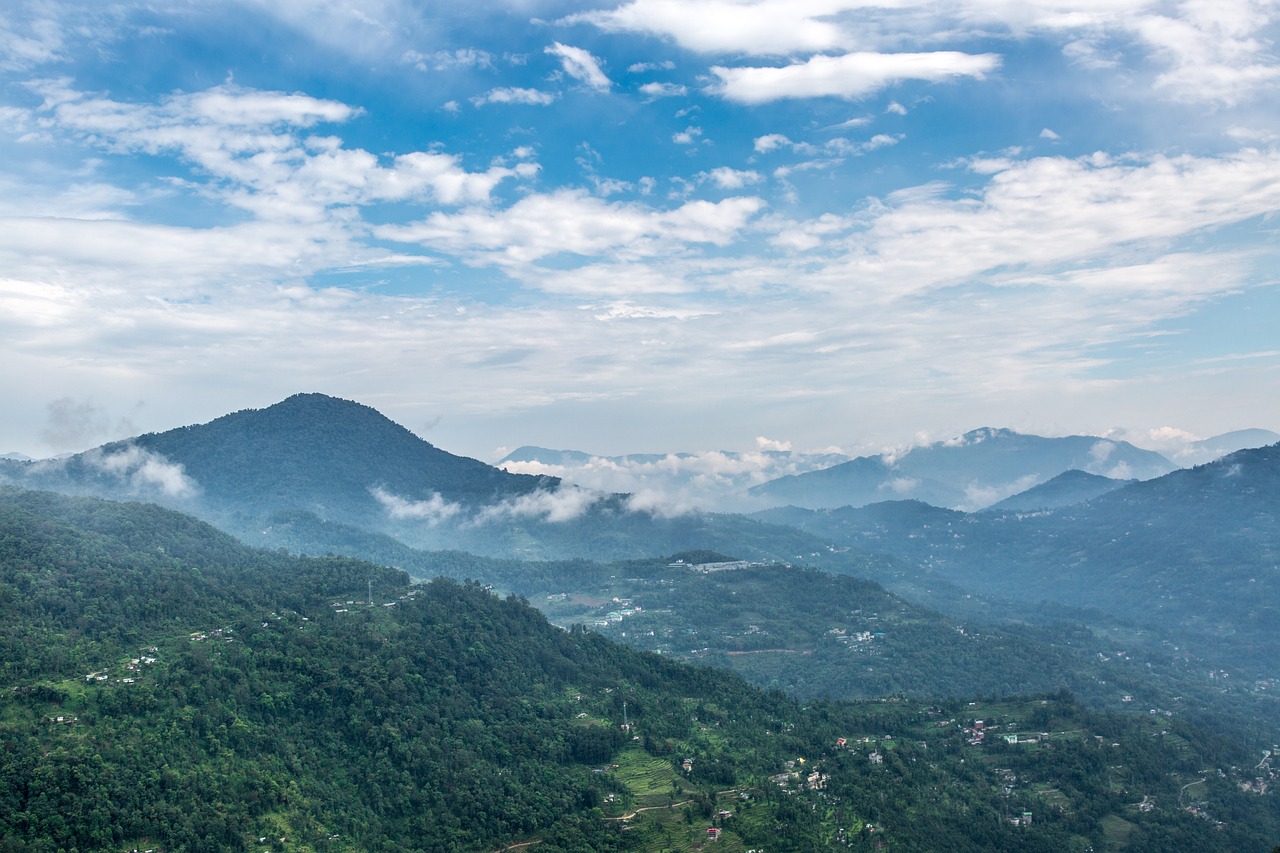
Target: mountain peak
{"points": [[975, 436], [313, 451]]}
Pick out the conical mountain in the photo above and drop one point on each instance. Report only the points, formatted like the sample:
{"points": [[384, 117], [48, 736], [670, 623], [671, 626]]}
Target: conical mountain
{"points": [[1066, 489], [323, 453], [333, 457]]}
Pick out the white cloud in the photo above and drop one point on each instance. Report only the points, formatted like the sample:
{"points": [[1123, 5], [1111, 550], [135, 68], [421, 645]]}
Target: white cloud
{"points": [[444, 60], [642, 67], [515, 95], [434, 510], [143, 471], [858, 121], [1208, 51], [687, 136], [541, 225], [677, 483], [1213, 49], [28, 43], [563, 504], [653, 91], [853, 75], [765, 27], [251, 143], [980, 496], [1078, 209], [896, 108], [771, 142], [580, 65], [731, 179], [808, 235], [880, 140]]}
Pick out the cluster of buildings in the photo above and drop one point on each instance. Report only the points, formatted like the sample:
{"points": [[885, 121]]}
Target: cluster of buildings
{"points": [[135, 666]]}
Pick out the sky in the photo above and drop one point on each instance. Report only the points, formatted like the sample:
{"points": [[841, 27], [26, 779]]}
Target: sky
{"points": [[642, 226]]}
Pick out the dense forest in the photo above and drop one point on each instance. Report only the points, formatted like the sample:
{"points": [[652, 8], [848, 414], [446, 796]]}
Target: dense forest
{"points": [[170, 688], [815, 634]]}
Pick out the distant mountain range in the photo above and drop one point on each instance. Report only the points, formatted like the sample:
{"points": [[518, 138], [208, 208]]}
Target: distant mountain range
{"points": [[970, 472], [1209, 449], [1193, 552], [973, 471]]}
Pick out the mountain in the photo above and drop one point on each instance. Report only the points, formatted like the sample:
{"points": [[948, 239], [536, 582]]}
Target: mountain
{"points": [[1193, 552], [161, 698], [312, 452], [969, 472], [1069, 487], [1209, 449]]}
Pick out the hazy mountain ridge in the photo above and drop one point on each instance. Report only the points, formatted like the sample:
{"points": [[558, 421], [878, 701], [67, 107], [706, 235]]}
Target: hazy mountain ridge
{"points": [[971, 471], [1068, 488], [1192, 551], [1209, 449]]}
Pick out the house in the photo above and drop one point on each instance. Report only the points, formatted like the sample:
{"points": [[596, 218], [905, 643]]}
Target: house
{"points": [[713, 833]]}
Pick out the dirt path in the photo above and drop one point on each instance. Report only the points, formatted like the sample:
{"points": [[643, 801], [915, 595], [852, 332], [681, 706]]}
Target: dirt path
{"points": [[630, 815]]}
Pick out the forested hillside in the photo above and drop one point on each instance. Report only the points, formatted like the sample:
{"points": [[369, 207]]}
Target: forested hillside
{"points": [[794, 628], [175, 690]]}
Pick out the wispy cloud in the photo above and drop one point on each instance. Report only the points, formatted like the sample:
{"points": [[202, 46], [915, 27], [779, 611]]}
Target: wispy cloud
{"points": [[581, 65], [541, 225], [515, 95], [663, 90], [445, 60], [141, 472]]}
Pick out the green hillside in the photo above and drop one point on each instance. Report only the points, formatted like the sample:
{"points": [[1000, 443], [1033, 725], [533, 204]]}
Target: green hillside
{"points": [[793, 628], [170, 689]]}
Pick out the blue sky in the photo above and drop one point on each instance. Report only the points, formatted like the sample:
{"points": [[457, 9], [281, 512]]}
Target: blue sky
{"points": [[642, 226]]}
